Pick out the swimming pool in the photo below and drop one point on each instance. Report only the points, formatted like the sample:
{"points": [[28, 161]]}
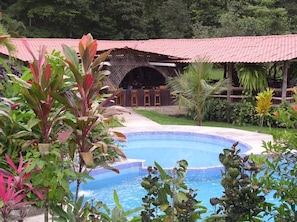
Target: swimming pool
{"points": [[165, 147], [130, 191]]}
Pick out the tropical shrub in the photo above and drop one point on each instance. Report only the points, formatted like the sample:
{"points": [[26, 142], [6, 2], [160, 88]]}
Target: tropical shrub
{"points": [[14, 116], [243, 199], [264, 103], [35, 87], [93, 210], [253, 77], [240, 113], [218, 110], [243, 113], [168, 198], [280, 170], [68, 118]]}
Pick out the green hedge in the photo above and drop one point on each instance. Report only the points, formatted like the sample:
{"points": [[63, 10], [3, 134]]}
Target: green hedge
{"points": [[239, 113]]}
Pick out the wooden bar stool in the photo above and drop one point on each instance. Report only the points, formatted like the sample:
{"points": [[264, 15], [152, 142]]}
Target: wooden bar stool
{"points": [[120, 98], [146, 97], [134, 99], [157, 97]]}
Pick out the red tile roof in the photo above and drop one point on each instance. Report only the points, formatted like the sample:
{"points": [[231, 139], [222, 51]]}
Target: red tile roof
{"points": [[249, 49]]}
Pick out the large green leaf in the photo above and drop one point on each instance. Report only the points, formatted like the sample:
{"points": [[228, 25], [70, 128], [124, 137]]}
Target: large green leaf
{"points": [[32, 101], [161, 171], [58, 210], [116, 199], [62, 99], [33, 122], [36, 91], [73, 63], [181, 197], [71, 55], [20, 134]]}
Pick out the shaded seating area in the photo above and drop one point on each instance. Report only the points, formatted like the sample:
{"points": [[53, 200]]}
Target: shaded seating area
{"points": [[144, 97]]}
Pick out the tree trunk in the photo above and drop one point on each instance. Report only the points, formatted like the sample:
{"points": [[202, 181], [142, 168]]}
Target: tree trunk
{"points": [[46, 211], [199, 118]]}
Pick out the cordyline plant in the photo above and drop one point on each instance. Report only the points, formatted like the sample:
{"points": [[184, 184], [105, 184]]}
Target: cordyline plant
{"points": [[88, 133], [15, 185], [65, 95], [42, 79]]}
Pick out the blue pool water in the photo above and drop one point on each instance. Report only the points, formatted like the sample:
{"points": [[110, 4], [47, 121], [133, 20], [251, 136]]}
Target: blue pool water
{"points": [[200, 150], [130, 191]]}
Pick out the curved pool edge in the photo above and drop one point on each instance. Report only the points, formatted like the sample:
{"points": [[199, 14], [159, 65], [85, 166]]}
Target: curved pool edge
{"points": [[131, 166], [253, 139]]}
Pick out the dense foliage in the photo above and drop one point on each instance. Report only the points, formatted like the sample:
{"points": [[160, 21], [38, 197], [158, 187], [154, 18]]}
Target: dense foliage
{"points": [[148, 19], [54, 116], [241, 113], [242, 199]]}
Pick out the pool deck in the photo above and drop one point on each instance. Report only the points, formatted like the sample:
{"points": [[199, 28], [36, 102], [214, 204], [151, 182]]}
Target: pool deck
{"points": [[134, 122]]}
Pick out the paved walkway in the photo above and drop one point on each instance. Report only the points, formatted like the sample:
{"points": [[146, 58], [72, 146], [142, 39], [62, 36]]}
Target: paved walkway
{"points": [[134, 122]]}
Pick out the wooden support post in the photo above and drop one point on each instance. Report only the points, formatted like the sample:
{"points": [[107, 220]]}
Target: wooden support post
{"points": [[285, 81], [230, 74]]}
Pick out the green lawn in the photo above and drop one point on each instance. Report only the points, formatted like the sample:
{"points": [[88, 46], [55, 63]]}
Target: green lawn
{"points": [[170, 120]]}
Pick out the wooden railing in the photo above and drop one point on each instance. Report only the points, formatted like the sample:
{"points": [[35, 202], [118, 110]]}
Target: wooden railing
{"points": [[236, 95], [277, 98], [123, 98]]}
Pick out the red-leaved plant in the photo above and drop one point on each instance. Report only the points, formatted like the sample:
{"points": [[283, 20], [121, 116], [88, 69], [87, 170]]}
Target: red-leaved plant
{"points": [[43, 78], [88, 133], [14, 187]]}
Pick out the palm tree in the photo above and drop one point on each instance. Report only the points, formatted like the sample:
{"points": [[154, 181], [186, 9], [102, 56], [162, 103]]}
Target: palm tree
{"points": [[192, 88], [14, 28], [6, 41]]}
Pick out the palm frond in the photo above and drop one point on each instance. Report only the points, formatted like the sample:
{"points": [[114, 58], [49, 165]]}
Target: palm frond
{"points": [[253, 77], [192, 88], [6, 41]]}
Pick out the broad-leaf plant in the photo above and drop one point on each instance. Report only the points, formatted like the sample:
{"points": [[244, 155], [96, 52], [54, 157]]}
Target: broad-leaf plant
{"points": [[69, 132], [90, 143]]}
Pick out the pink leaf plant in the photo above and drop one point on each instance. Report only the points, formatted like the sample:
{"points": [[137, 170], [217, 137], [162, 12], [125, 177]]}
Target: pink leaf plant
{"points": [[11, 197], [15, 186]]}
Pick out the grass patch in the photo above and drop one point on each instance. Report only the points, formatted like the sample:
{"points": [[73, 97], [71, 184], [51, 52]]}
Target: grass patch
{"points": [[216, 74], [164, 119]]}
